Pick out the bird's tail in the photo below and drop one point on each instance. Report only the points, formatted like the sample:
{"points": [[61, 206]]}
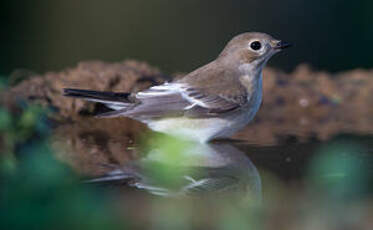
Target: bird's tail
{"points": [[116, 101]]}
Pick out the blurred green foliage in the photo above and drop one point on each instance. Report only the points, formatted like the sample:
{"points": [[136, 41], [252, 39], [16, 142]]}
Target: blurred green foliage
{"points": [[22, 132], [340, 170], [37, 191], [173, 155], [3, 83], [44, 194]]}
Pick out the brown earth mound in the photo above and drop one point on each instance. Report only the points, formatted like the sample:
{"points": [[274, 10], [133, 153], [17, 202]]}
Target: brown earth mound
{"points": [[128, 76]]}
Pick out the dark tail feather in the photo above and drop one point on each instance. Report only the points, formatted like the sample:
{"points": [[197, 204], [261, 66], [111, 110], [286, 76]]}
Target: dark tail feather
{"points": [[115, 101], [96, 95]]}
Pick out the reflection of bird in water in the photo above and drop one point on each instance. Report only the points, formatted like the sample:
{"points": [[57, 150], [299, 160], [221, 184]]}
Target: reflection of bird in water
{"points": [[216, 168]]}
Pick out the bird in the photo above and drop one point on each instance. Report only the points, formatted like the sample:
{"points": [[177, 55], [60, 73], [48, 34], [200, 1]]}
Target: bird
{"points": [[212, 102]]}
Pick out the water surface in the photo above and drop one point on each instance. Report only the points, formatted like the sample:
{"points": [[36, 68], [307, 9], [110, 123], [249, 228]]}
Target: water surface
{"points": [[115, 154]]}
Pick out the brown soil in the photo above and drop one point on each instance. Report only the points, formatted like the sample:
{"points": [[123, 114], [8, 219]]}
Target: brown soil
{"points": [[128, 76]]}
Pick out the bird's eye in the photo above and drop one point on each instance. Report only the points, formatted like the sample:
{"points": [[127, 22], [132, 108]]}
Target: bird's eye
{"points": [[256, 45]]}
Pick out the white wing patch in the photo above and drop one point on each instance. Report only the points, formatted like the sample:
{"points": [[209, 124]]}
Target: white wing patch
{"points": [[169, 89]]}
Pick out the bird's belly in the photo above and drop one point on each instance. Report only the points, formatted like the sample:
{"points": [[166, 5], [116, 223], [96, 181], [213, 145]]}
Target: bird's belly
{"points": [[201, 130]]}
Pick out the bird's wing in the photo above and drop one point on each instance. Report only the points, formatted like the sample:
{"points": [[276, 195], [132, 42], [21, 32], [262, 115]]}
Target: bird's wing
{"points": [[169, 99], [177, 99], [209, 91]]}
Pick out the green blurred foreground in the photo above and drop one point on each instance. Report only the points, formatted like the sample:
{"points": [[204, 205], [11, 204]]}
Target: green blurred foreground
{"points": [[39, 192]]}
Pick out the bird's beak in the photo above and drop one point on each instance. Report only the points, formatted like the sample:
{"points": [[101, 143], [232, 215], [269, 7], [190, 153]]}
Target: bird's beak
{"points": [[282, 45]]}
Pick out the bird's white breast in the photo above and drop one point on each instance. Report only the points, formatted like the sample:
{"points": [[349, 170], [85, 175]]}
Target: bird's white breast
{"points": [[200, 129], [251, 79]]}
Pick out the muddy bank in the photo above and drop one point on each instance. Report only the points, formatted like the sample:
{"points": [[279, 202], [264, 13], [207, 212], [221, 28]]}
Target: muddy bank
{"points": [[305, 103], [129, 76]]}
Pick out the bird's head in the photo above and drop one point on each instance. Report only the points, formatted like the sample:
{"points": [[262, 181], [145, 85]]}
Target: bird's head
{"points": [[252, 48]]}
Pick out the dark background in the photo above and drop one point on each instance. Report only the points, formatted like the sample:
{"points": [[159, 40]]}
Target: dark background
{"points": [[180, 35]]}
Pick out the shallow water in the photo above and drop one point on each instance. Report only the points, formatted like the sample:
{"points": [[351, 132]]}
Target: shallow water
{"points": [[117, 155], [295, 182], [290, 159]]}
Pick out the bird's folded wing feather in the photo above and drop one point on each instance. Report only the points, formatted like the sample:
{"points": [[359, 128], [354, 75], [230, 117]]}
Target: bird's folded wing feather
{"points": [[177, 99]]}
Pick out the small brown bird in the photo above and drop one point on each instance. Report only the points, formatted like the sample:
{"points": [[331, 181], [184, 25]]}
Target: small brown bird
{"points": [[214, 101]]}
